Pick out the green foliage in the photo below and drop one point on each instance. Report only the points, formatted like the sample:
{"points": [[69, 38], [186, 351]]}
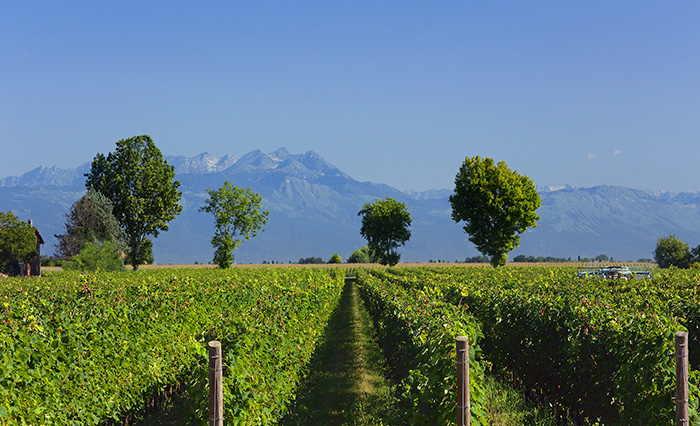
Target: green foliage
{"points": [[17, 241], [540, 259], [310, 261], [335, 258], [385, 227], [93, 349], [98, 256], [50, 261], [496, 205], [141, 186], [680, 286], [236, 212], [363, 255], [477, 259], [671, 251], [90, 219]]}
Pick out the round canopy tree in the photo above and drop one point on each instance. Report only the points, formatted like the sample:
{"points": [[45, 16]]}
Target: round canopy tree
{"points": [[671, 251], [496, 204], [385, 227], [141, 186]]}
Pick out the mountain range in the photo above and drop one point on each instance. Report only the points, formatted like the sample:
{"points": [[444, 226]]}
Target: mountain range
{"points": [[313, 212]]}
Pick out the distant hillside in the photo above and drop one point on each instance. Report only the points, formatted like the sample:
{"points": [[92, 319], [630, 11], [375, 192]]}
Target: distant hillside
{"points": [[313, 212]]}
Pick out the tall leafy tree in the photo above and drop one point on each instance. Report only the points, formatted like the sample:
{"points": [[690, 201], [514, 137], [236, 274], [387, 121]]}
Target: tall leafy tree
{"points": [[496, 204], [671, 251], [237, 212], [17, 242], [90, 220], [142, 188], [385, 227]]}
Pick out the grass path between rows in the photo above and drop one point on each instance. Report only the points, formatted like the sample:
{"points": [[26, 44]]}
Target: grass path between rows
{"points": [[347, 384]]}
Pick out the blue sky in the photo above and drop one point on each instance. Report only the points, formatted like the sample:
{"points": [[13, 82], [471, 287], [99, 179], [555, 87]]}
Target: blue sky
{"points": [[567, 92]]}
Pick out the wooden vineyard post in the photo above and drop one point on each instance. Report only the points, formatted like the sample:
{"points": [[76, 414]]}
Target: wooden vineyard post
{"points": [[216, 391], [463, 404], [682, 417]]}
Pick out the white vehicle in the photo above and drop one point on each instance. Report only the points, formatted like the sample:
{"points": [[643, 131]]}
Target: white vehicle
{"points": [[615, 272]]}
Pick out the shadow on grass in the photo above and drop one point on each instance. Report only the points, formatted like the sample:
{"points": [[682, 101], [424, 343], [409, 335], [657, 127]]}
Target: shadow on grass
{"points": [[508, 407]]}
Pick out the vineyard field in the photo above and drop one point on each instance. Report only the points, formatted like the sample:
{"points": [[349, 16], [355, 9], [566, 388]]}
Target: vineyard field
{"points": [[94, 349], [81, 349], [600, 348]]}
